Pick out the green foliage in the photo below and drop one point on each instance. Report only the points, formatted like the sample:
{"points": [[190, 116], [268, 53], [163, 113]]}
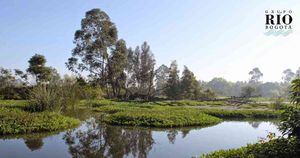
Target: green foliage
{"points": [[172, 89], [161, 78], [96, 35], [295, 91], [117, 64], [189, 86], [54, 96], [279, 148], [17, 121], [14, 103], [170, 113], [290, 122], [155, 116], [13, 86], [91, 93], [38, 69]]}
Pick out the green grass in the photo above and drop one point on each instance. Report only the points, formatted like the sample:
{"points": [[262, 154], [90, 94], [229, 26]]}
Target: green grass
{"points": [[14, 103], [17, 121]]}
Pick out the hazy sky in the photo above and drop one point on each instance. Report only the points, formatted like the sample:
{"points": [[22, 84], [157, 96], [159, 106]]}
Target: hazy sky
{"points": [[213, 38]]}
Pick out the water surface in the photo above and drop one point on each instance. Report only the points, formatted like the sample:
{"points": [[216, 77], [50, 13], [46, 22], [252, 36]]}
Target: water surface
{"points": [[93, 139]]}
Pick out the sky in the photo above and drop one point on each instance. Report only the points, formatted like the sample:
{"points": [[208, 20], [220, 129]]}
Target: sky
{"points": [[213, 38]]}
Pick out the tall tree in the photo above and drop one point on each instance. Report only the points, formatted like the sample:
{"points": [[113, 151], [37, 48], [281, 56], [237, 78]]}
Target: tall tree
{"points": [[255, 75], [146, 74], [37, 68], [161, 78], [96, 36], [190, 88], [288, 75], [173, 85], [117, 64]]}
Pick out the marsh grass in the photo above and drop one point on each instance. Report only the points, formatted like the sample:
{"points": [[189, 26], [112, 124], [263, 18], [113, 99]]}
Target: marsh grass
{"points": [[158, 115], [17, 121]]}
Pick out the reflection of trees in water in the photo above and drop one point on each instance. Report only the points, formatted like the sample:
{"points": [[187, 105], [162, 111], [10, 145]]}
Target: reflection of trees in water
{"points": [[108, 141], [172, 135], [174, 132], [255, 124], [185, 132], [34, 144]]}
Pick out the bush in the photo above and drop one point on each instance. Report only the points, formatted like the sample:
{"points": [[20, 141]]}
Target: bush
{"points": [[90, 93], [54, 96]]}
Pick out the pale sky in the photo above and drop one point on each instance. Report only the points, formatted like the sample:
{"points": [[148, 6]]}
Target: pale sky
{"points": [[213, 38]]}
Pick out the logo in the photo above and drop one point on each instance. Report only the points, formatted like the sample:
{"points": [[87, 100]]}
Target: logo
{"points": [[278, 22]]}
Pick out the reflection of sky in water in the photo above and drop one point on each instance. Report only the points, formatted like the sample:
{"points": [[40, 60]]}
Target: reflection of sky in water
{"points": [[186, 142]]}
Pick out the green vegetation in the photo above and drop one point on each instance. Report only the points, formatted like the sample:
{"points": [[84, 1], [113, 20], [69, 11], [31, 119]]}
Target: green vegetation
{"points": [[17, 121], [57, 95], [280, 148], [159, 117], [161, 114]]}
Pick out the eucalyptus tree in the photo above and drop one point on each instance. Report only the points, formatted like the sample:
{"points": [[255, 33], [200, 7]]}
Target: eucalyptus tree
{"points": [[255, 75], [117, 64], [189, 86], [172, 89], [146, 73], [161, 79], [94, 40], [288, 75]]}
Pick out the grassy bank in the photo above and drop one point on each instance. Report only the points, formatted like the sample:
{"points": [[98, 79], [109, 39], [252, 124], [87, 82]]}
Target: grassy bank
{"points": [[280, 148], [14, 120], [158, 115]]}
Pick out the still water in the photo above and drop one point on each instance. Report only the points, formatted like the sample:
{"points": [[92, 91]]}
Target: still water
{"points": [[93, 139]]}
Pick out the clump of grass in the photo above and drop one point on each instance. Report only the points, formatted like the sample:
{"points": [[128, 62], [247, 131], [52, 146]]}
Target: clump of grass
{"points": [[57, 95], [17, 121]]}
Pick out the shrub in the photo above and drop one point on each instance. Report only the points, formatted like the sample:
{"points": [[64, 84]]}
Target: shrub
{"points": [[54, 96], [89, 93]]}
